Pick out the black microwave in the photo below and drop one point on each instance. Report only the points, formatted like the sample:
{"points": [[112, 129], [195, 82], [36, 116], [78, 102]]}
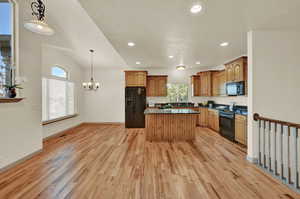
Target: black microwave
{"points": [[235, 88]]}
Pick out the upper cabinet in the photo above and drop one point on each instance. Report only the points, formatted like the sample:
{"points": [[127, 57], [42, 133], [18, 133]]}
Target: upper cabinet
{"points": [[236, 71], [157, 86], [213, 83], [196, 83], [136, 78], [219, 83], [205, 83], [209, 83]]}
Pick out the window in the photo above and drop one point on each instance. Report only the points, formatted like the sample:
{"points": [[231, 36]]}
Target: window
{"points": [[58, 72], [6, 44], [178, 92], [58, 96]]}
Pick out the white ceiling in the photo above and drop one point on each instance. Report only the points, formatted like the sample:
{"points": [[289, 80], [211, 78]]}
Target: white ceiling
{"points": [[80, 34], [166, 27]]}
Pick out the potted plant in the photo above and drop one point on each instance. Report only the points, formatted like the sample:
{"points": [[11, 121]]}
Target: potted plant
{"points": [[11, 90]]}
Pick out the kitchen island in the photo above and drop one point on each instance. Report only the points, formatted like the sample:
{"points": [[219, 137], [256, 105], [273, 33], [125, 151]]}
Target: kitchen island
{"points": [[170, 124]]}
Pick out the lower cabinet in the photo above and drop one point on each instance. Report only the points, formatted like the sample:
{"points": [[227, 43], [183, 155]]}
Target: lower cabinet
{"points": [[241, 129], [203, 117], [213, 120]]}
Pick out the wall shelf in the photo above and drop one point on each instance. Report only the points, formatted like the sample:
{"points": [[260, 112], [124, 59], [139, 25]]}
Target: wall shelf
{"points": [[10, 100]]}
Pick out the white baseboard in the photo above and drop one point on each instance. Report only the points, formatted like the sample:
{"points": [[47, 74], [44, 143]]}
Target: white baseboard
{"points": [[20, 161], [57, 134]]}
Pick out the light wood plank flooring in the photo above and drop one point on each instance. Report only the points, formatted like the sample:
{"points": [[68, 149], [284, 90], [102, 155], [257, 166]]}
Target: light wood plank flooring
{"points": [[109, 162]]}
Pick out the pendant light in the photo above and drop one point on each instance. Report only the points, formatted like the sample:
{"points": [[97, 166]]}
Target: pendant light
{"points": [[91, 85], [39, 25]]}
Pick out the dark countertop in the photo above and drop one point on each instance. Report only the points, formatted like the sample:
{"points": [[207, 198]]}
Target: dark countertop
{"points": [[170, 111], [240, 110]]}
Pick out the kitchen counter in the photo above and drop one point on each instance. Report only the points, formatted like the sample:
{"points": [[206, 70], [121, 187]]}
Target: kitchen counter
{"points": [[170, 125], [239, 110], [170, 111]]}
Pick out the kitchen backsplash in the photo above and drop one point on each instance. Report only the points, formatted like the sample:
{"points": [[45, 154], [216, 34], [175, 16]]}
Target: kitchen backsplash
{"points": [[240, 100]]}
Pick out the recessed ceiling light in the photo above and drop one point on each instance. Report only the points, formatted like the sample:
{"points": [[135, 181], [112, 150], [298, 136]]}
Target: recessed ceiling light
{"points": [[224, 44], [198, 63], [181, 67], [138, 63], [131, 44], [196, 9], [171, 56]]}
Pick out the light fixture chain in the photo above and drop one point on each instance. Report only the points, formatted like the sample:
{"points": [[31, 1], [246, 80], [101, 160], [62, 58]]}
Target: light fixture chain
{"points": [[92, 64], [92, 85]]}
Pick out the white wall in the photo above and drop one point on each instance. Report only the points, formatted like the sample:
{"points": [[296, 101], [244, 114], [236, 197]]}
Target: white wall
{"points": [[274, 83], [20, 124], [21, 133], [108, 103], [52, 56]]}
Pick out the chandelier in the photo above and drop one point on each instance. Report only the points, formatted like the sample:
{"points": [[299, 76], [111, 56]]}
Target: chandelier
{"points": [[92, 84], [39, 25]]}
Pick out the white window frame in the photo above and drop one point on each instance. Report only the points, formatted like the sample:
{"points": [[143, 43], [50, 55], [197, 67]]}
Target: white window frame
{"points": [[53, 77]]}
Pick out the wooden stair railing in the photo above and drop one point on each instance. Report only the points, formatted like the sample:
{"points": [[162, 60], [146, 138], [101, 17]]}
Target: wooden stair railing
{"points": [[279, 149]]}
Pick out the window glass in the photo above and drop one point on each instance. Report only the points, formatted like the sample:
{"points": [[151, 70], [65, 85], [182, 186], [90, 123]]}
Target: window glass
{"points": [[70, 98], [58, 72], [58, 98], [6, 74], [178, 92], [5, 17]]}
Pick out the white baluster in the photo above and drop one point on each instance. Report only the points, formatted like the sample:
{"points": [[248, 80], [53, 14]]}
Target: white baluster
{"points": [[294, 156], [298, 157], [268, 150], [280, 150], [286, 152], [273, 148], [262, 130], [259, 143]]}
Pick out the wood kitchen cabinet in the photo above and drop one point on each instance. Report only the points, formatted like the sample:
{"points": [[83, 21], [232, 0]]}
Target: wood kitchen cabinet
{"points": [[196, 85], [213, 119], [215, 87], [136, 78], [203, 117], [241, 129], [222, 83], [236, 71], [205, 83], [229, 72], [219, 83], [151, 86], [157, 86], [198, 116]]}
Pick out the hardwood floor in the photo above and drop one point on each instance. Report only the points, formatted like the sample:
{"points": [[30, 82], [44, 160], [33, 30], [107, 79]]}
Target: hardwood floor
{"points": [[107, 162]]}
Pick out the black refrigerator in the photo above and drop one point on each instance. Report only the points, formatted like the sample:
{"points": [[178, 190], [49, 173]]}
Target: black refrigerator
{"points": [[135, 105]]}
